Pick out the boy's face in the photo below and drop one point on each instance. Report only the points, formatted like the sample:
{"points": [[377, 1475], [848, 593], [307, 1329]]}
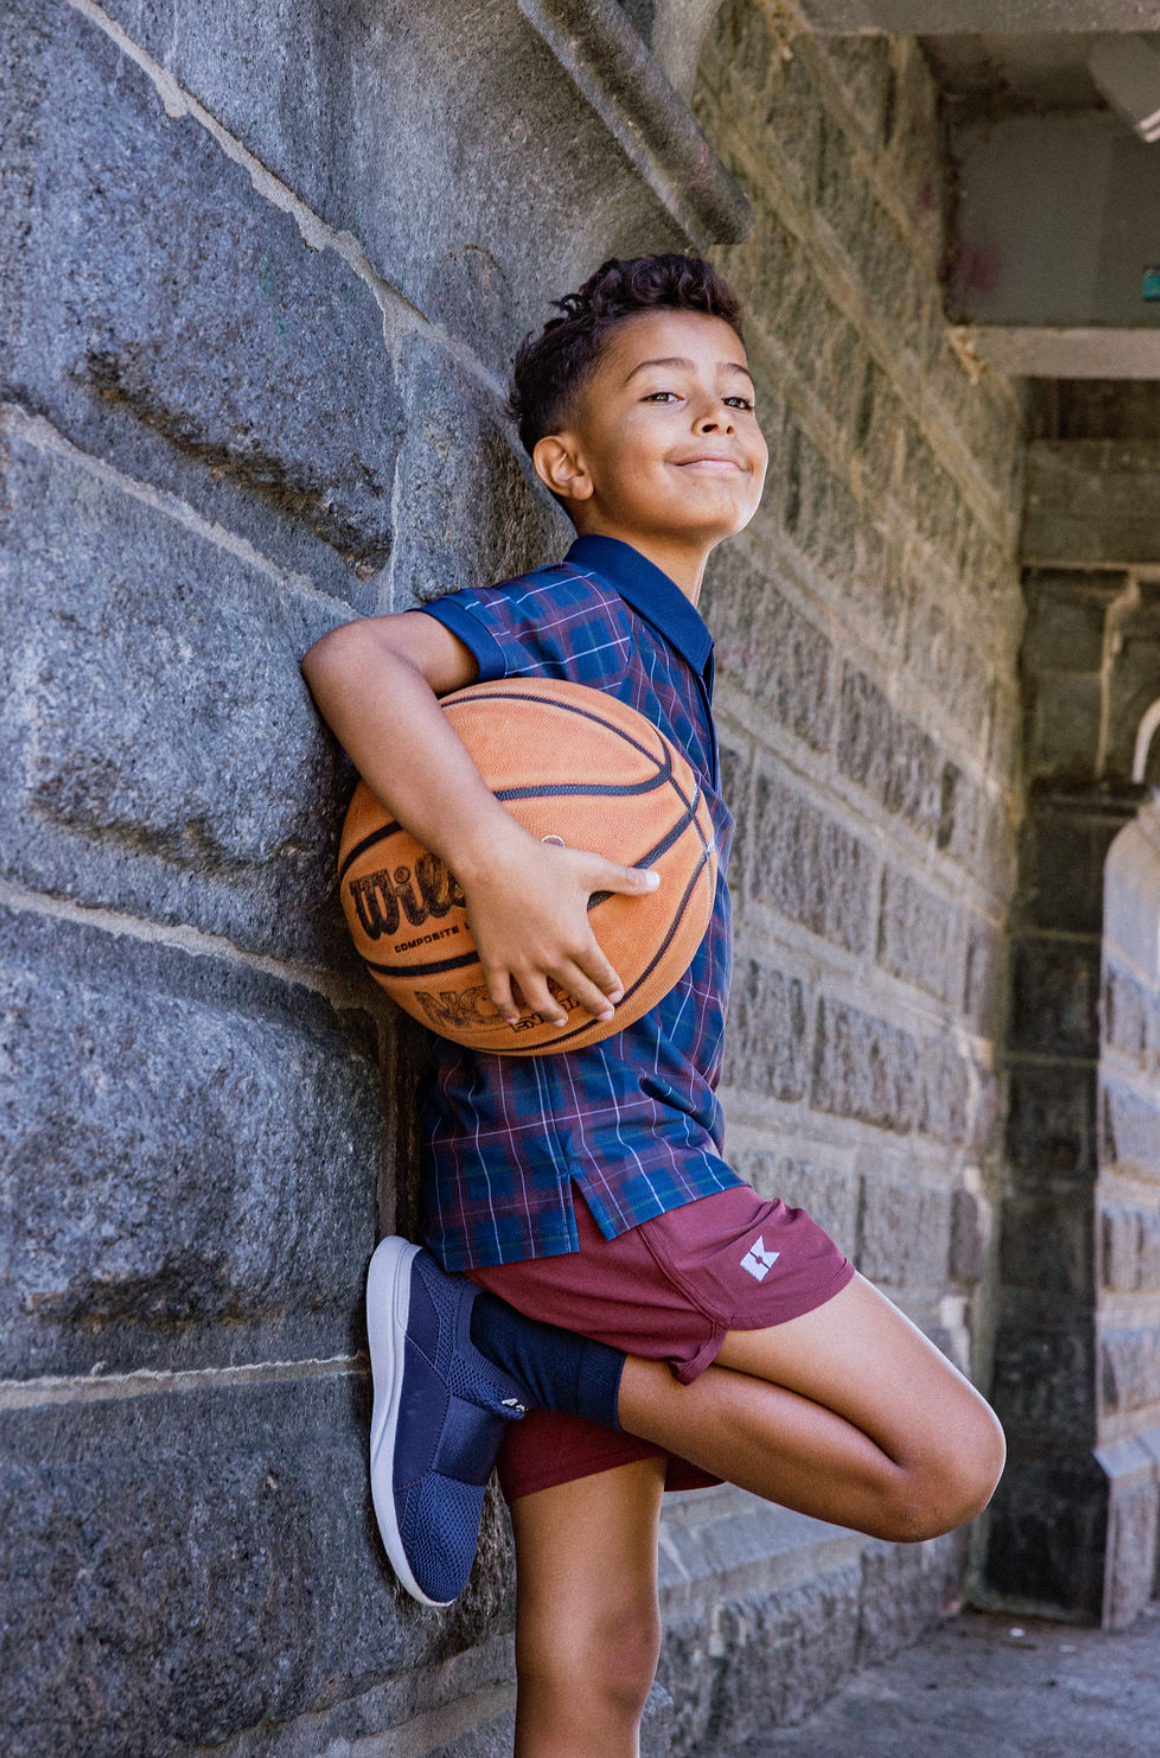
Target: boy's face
{"points": [[662, 446]]}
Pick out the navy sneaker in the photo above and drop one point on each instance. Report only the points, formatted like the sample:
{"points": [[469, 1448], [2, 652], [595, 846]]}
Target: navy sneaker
{"points": [[440, 1412]]}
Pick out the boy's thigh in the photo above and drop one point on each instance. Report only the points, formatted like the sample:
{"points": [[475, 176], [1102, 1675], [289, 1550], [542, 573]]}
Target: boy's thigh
{"points": [[859, 1356]]}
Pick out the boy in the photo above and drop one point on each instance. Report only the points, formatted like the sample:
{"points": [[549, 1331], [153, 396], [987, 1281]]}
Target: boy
{"points": [[668, 1324]]}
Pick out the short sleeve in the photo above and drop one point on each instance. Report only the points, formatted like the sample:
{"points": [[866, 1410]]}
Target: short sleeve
{"points": [[553, 623], [455, 613]]}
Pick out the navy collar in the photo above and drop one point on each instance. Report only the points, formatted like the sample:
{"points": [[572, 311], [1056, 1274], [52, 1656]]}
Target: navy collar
{"points": [[651, 593]]}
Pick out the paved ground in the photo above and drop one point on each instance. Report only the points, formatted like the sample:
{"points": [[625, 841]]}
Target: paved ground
{"points": [[994, 1687]]}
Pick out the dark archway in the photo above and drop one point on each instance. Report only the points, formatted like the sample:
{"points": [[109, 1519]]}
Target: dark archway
{"points": [[1073, 1529]]}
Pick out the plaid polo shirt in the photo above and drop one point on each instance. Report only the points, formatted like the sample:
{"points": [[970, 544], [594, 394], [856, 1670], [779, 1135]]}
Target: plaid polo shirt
{"points": [[633, 1122]]}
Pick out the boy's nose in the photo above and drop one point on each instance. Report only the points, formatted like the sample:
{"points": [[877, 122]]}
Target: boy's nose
{"points": [[712, 419]]}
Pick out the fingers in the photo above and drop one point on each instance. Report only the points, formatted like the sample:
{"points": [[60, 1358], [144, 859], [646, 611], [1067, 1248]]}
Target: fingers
{"points": [[631, 881], [557, 956], [588, 979], [499, 987]]}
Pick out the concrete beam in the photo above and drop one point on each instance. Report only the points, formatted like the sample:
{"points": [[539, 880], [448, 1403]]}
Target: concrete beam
{"points": [[1092, 503], [950, 18], [1056, 236]]}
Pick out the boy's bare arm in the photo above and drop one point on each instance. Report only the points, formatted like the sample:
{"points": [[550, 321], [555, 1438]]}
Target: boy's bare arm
{"points": [[377, 683]]}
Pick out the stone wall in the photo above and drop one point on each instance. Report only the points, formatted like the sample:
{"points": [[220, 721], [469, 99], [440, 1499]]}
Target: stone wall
{"points": [[271, 265]]}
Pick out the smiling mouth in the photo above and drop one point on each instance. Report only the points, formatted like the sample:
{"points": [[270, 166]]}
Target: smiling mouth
{"points": [[708, 464]]}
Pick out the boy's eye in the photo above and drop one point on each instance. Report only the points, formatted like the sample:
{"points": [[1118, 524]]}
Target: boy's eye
{"points": [[661, 396], [740, 402]]}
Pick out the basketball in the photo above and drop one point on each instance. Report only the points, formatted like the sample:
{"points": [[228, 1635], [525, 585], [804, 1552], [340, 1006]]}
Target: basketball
{"points": [[574, 766]]}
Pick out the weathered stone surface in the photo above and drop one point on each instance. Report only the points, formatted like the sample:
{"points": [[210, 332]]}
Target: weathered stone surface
{"points": [[327, 95], [968, 1250], [1091, 501], [1131, 1248], [1064, 726], [819, 512], [736, 787], [161, 748], [182, 1565], [1127, 1008], [864, 1068], [808, 867], [977, 831], [762, 1661], [904, 1235], [1051, 1121], [1130, 1128], [905, 1589], [767, 1046], [157, 294], [1062, 855], [769, 648], [944, 1110], [1055, 987], [1066, 622], [1046, 1244], [894, 760], [918, 935], [1131, 1553], [940, 650], [191, 1155], [830, 1196], [1129, 1370], [981, 972], [1134, 681], [468, 514], [1044, 1382], [1048, 1536]]}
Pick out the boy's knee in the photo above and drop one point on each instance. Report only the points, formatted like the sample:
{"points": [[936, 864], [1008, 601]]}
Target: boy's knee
{"points": [[610, 1657], [945, 1493]]}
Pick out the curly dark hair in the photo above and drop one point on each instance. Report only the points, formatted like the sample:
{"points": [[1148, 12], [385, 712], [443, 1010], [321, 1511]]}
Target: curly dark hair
{"points": [[549, 368]]}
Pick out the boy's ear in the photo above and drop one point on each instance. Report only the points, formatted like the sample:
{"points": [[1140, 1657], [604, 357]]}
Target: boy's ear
{"points": [[560, 467]]}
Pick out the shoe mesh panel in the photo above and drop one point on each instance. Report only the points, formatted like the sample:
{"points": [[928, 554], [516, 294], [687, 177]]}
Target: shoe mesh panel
{"points": [[440, 1534]]}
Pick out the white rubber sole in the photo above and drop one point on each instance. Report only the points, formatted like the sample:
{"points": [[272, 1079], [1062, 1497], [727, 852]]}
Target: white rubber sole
{"points": [[388, 1308]]}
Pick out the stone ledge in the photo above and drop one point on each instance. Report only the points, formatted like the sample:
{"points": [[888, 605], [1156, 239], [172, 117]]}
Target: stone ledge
{"points": [[597, 47], [765, 1611]]}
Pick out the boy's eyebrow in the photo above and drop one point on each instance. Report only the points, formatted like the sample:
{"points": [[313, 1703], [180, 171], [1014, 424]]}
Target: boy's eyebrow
{"points": [[677, 360]]}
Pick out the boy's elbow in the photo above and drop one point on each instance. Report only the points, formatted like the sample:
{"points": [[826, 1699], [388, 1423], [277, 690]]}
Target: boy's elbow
{"points": [[330, 652]]}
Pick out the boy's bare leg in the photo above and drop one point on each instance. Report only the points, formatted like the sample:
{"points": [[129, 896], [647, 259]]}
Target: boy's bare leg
{"points": [[587, 1625], [847, 1413]]}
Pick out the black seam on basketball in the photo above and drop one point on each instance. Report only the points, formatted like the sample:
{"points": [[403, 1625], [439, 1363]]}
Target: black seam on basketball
{"points": [[479, 695], [436, 968], [645, 861], [692, 805], [543, 790], [360, 848]]}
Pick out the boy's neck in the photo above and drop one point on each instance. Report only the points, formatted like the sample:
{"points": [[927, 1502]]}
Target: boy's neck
{"points": [[683, 563]]}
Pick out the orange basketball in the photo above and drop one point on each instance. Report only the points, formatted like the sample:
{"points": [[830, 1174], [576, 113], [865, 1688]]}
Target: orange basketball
{"points": [[571, 764]]}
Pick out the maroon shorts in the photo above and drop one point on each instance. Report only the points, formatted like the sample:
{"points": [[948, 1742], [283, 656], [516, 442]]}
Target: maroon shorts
{"points": [[668, 1290]]}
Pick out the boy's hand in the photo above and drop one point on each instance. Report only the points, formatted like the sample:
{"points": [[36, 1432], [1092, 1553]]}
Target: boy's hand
{"points": [[527, 902]]}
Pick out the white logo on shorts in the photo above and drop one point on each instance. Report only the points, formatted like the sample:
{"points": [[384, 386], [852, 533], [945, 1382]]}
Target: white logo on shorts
{"points": [[758, 1261]]}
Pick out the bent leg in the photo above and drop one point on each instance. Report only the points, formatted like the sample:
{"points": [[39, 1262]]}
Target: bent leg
{"points": [[587, 1624], [848, 1413]]}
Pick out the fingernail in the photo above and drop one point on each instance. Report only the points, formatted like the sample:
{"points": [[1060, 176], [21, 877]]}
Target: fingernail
{"points": [[603, 1018], [653, 880]]}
